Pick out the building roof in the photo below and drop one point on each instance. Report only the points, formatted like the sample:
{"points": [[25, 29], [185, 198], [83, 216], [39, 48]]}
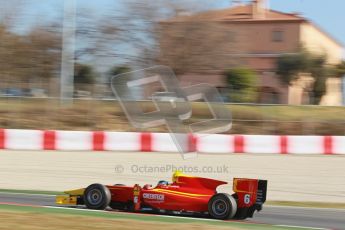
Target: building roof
{"points": [[237, 13], [245, 13]]}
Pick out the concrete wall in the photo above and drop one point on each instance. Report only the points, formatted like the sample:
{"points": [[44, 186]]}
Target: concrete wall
{"points": [[259, 37], [334, 92], [317, 41]]}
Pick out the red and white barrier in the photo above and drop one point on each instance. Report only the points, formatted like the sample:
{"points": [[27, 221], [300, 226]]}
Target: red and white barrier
{"points": [[262, 144], [306, 144], [73, 140], [23, 139], [162, 142], [215, 143], [17, 139], [118, 141], [337, 144]]}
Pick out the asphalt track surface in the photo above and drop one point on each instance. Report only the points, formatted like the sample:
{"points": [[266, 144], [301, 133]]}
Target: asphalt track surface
{"points": [[310, 218]]}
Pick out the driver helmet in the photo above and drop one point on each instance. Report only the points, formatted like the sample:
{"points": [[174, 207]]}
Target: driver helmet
{"points": [[163, 182]]}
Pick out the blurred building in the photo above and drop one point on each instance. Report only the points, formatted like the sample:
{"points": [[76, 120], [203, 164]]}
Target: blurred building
{"points": [[247, 35]]}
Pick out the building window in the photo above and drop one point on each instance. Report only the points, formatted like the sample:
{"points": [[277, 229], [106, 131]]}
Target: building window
{"points": [[277, 36]]}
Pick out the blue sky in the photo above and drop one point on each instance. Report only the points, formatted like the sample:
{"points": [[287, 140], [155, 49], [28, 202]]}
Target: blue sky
{"points": [[329, 17], [327, 14]]}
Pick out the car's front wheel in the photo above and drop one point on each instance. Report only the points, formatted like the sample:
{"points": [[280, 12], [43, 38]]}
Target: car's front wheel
{"points": [[97, 196], [222, 206]]}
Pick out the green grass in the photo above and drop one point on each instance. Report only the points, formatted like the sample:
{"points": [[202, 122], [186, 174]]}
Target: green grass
{"points": [[307, 204], [137, 217], [30, 192]]}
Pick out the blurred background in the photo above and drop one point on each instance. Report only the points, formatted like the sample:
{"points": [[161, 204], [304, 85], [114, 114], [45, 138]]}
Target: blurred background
{"points": [[279, 72]]}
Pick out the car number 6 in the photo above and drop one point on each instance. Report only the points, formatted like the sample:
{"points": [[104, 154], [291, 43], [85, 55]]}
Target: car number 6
{"points": [[246, 198]]}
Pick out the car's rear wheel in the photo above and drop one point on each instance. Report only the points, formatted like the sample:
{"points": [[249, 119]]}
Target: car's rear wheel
{"points": [[97, 196], [222, 206]]}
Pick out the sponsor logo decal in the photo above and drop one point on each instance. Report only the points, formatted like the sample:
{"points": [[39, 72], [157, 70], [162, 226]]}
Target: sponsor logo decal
{"points": [[152, 196]]}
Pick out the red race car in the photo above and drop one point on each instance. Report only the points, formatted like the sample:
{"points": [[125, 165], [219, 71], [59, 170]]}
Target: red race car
{"points": [[186, 195]]}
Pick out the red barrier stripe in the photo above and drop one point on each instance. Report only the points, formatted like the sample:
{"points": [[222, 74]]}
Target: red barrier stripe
{"points": [[283, 144], [239, 144], [328, 145], [49, 140], [2, 138], [192, 140], [98, 141], [146, 142]]}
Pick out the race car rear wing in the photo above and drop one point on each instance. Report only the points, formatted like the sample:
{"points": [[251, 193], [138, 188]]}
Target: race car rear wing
{"points": [[250, 195], [261, 192]]}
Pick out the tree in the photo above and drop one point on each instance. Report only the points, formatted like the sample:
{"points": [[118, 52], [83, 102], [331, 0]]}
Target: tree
{"points": [[194, 45], [118, 70], [29, 60], [320, 72], [340, 69], [289, 66], [84, 76], [243, 83], [142, 27], [127, 31]]}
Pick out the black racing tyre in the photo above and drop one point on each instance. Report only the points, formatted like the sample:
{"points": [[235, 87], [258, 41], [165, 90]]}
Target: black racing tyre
{"points": [[222, 206], [241, 213], [97, 196]]}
